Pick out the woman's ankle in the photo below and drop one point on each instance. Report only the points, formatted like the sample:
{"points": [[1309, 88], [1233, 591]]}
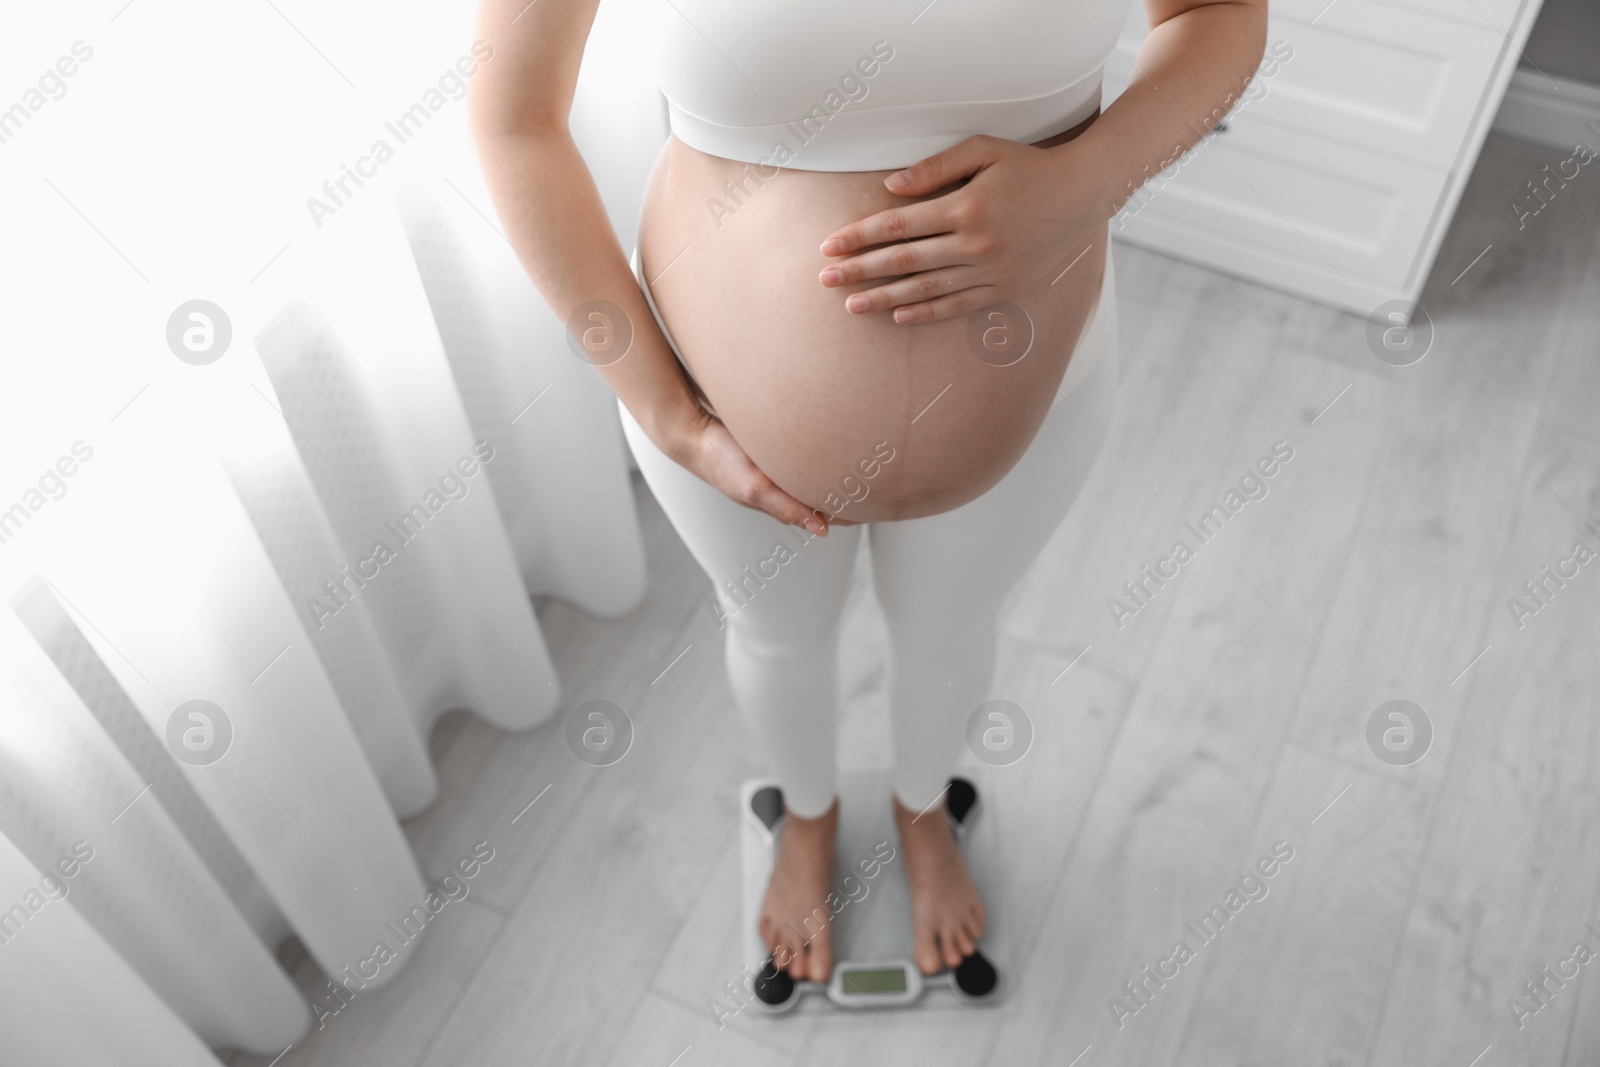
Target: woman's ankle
{"points": [[829, 816]]}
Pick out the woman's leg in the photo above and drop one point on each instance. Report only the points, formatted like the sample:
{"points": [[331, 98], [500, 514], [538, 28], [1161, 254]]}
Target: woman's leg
{"points": [[780, 595], [942, 581]]}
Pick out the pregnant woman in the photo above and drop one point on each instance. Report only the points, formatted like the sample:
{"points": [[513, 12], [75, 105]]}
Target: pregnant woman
{"points": [[872, 297]]}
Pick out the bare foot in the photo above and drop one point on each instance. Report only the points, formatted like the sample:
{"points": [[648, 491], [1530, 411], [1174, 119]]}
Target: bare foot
{"points": [[795, 922], [946, 913]]}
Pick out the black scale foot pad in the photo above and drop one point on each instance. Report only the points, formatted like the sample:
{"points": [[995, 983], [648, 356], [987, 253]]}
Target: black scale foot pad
{"points": [[976, 976]]}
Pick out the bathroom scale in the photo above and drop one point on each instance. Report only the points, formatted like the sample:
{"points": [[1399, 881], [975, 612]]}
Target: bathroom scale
{"points": [[870, 911]]}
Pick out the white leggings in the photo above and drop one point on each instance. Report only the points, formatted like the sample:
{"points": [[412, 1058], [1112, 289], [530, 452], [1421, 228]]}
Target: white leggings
{"points": [[940, 581]]}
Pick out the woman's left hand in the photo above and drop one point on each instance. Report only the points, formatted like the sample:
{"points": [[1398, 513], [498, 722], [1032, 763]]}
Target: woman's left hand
{"points": [[1024, 211]]}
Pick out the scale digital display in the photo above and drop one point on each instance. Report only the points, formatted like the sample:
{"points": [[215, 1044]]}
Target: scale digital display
{"points": [[881, 980]]}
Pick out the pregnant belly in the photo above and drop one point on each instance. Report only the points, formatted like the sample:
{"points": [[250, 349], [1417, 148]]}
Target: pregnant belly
{"points": [[853, 414]]}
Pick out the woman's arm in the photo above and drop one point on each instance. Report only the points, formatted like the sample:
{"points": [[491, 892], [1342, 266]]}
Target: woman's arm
{"points": [[1194, 66], [1026, 210], [555, 220]]}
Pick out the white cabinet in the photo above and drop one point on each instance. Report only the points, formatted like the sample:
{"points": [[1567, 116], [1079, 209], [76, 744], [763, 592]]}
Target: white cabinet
{"points": [[1300, 213], [1336, 178]]}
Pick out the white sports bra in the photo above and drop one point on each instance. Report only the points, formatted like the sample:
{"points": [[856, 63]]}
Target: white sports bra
{"points": [[853, 85]]}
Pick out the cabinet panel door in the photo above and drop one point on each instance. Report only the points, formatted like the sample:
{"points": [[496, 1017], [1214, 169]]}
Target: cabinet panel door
{"points": [[1390, 81], [1255, 199]]}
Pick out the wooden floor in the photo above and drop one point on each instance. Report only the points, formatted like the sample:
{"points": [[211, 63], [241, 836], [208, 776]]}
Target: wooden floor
{"points": [[1228, 715]]}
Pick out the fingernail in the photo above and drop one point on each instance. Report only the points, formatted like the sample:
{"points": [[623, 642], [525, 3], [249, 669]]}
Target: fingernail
{"points": [[832, 276], [816, 527], [902, 314], [856, 303], [833, 246], [898, 179]]}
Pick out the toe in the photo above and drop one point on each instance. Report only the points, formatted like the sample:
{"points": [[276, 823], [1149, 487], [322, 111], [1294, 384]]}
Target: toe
{"points": [[821, 958], [821, 964], [974, 924], [781, 944], [783, 956], [949, 947], [799, 965], [963, 941], [927, 953]]}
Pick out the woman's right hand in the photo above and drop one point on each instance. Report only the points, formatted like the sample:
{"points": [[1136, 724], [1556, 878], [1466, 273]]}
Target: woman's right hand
{"points": [[708, 451]]}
